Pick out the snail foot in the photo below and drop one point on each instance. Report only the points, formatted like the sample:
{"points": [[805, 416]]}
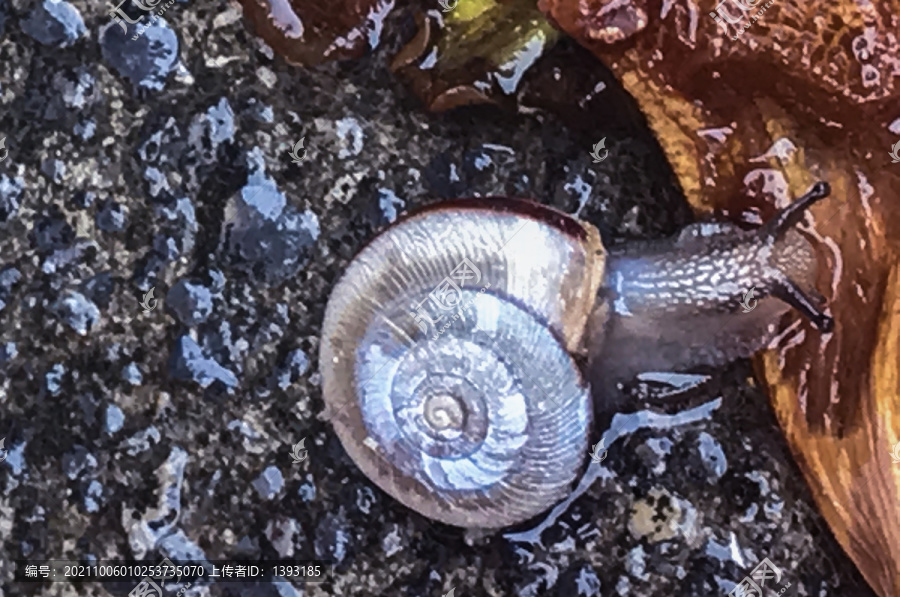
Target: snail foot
{"points": [[790, 293], [790, 216]]}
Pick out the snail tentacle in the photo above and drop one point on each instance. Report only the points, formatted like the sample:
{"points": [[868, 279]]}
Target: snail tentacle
{"points": [[790, 216], [788, 292], [776, 230]]}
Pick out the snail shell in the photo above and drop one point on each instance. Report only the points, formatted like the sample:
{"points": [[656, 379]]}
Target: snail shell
{"points": [[457, 421]]}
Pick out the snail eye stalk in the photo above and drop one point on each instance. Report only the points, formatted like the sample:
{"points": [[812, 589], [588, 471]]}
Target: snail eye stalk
{"points": [[773, 231], [790, 216], [787, 291]]}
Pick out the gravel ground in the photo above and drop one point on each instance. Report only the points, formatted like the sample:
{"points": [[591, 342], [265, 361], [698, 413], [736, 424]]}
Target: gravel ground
{"points": [[163, 163]]}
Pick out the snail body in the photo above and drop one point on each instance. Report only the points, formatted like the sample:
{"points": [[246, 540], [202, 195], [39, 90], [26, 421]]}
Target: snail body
{"points": [[465, 348]]}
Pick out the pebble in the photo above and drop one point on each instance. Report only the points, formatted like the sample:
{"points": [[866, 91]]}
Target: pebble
{"points": [[146, 61], [392, 543], [53, 378], [93, 496], [85, 130], [350, 132], [54, 23], [8, 352], [191, 303], [114, 419], [388, 202], [82, 199], [221, 341], [307, 491], [76, 461], [217, 281], [158, 181], [188, 363], [77, 89], [179, 546], [209, 130], [10, 192], [295, 366], [280, 532], [132, 374], [265, 236], [636, 563], [54, 169], [78, 312], [53, 232], [111, 217], [269, 483], [140, 441], [99, 289], [15, 458], [365, 499], [151, 150], [587, 583], [712, 454], [332, 537], [261, 197], [171, 477], [284, 588], [166, 247], [180, 224], [61, 258], [260, 111], [9, 277]]}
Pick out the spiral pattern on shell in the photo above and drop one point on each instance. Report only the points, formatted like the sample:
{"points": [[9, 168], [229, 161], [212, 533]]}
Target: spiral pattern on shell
{"points": [[446, 365]]}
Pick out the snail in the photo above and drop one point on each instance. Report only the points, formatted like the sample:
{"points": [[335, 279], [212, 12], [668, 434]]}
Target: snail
{"points": [[465, 348]]}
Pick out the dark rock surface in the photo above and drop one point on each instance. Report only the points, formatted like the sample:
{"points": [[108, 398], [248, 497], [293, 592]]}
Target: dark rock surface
{"points": [[163, 162], [54, 23]]}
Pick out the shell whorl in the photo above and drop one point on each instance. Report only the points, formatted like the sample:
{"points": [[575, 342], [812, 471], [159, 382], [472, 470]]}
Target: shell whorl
{"points": [[480, 419]]}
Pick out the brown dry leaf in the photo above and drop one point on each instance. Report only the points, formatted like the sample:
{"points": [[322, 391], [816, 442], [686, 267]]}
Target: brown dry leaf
{"points": [[808, 92]]}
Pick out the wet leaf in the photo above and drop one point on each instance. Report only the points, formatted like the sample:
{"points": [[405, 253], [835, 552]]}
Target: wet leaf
{"points": [[308, 33], [806, 92], [475, 53]]}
